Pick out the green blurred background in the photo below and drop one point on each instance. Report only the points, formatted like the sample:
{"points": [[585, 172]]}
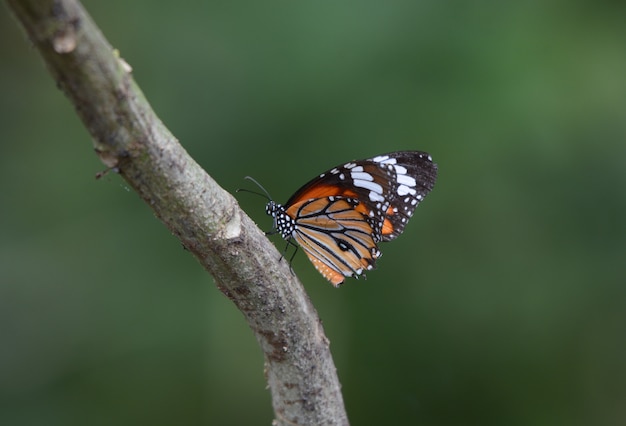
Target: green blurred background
{"points": [[503, 304]]}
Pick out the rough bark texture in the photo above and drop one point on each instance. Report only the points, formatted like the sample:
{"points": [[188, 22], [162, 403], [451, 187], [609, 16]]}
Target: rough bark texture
{"points": [[130, 139]]}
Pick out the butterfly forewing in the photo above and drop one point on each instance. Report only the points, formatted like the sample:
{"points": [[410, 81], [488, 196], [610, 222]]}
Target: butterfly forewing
{"points": [[339, 217], [388, 187], [414, 178]]}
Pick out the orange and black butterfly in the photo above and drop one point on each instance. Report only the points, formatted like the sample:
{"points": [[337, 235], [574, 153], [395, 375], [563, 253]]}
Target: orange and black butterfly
{"points": [[339, 217]]}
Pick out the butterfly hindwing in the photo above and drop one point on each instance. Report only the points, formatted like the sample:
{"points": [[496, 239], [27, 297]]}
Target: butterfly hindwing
{"points": [[336, 237]]}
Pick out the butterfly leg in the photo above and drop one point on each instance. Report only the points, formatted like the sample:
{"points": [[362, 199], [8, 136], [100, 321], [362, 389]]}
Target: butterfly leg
{"points": [[289, 243]]}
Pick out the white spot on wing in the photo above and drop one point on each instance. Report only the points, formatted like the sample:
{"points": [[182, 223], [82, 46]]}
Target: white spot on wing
{"points": [[406, 180], [374, 196], [372, 186], [361, 175], [401, 170], [403, 190]]}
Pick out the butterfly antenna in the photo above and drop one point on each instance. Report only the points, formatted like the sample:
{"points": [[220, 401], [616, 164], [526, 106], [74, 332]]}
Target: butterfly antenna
{"points": [[265, 194]]}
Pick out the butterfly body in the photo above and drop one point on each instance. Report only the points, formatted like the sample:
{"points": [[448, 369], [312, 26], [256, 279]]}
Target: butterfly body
{"points": [[339, 217]]}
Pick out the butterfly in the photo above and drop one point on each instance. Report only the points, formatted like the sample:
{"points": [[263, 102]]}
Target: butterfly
{"points": [[339, 217]]}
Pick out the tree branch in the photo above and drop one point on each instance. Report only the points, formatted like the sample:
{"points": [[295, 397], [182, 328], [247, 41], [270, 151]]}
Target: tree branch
{"points": [[130, 138]]}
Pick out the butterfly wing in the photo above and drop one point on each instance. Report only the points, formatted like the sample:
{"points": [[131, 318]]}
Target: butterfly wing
{"points": [[335, 236], [388, 188]]}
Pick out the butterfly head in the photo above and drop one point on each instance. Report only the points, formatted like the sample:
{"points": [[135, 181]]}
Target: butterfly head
{"points": [[283, 223]]}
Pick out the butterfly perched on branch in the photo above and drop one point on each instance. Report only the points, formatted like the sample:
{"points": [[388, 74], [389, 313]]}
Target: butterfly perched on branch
{"points": [[339, 217]]}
